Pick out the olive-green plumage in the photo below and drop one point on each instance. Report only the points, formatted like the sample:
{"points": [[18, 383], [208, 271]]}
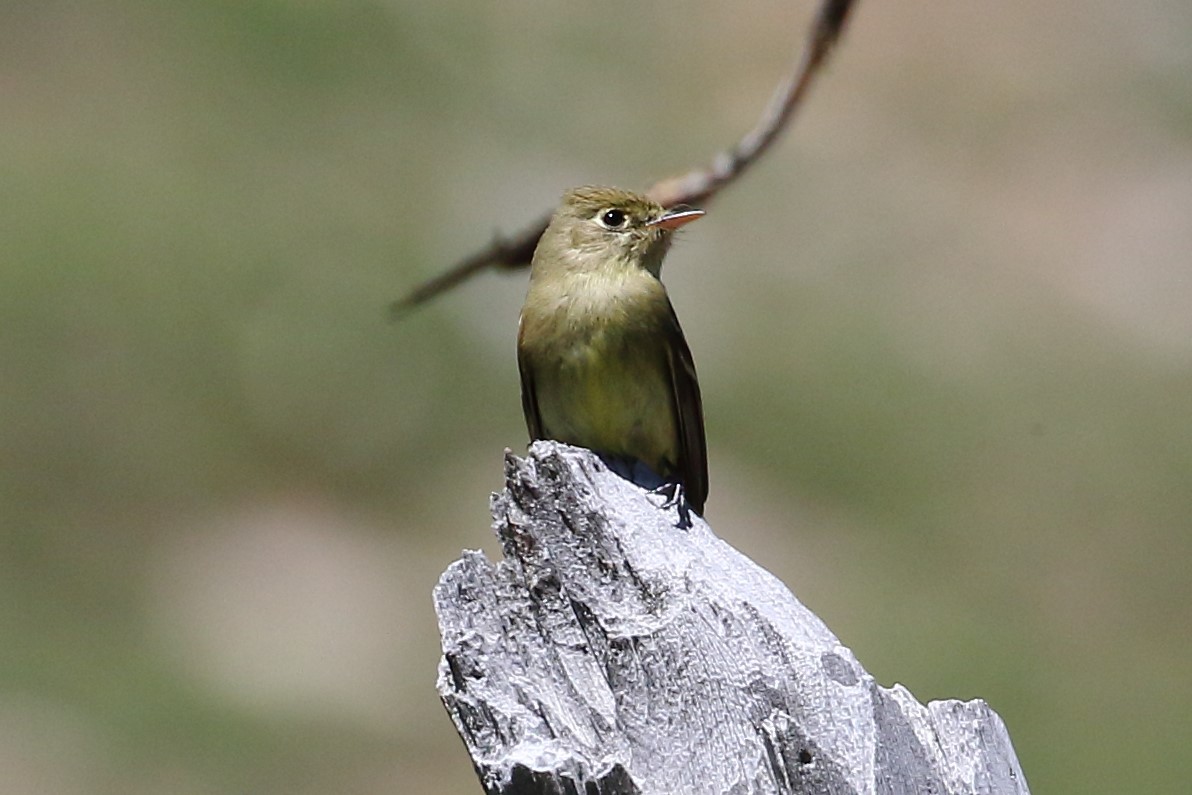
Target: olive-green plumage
{"points": [[603, 362]]}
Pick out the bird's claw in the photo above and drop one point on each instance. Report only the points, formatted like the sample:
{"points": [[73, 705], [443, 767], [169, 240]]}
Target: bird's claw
{"points": [[672, 492]]}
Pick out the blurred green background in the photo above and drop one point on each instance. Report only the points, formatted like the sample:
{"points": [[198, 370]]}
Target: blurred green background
{"points": [[944, 334]]}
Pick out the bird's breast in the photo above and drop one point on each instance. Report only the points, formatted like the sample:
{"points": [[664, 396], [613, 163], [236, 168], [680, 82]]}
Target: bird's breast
{"points": [[594, 310], [598, 357]]}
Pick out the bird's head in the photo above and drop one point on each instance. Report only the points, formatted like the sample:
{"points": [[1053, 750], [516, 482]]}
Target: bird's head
{"points": [[596, 228]]}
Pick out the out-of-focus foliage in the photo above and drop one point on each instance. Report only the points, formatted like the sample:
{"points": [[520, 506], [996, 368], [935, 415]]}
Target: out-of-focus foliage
{"points": [[944, 333]]}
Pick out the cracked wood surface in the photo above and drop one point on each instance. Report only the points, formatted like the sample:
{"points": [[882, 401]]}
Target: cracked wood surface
{"points": [[614, 651]]}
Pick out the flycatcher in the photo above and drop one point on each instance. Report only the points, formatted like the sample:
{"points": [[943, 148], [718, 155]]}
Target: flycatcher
{"points": [[603, 362]]}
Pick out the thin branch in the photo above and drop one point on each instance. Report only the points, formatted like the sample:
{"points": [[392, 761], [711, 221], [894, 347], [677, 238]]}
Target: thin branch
{"points": [[699, 185], [695, 187], [511, 252]]}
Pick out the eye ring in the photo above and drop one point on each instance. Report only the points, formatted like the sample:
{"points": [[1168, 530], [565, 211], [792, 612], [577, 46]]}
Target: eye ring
{"points": [[612, 218]]}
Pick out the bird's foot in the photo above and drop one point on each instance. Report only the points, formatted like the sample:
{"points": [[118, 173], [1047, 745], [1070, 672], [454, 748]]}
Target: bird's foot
{"points": [[672, 491]]}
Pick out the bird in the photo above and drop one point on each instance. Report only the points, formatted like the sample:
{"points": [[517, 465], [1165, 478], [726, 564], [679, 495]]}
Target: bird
{"points": [[602, 358]]}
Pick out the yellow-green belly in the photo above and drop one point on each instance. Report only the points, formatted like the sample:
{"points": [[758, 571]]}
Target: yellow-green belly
{"points": [[612, 395]]}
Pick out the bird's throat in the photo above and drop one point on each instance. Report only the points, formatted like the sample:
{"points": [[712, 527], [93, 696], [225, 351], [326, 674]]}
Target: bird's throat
{"points": [[601, 304]]}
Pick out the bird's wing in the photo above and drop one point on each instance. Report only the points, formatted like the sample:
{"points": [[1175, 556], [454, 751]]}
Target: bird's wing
{"points": [[689, 418], [529, 398]]}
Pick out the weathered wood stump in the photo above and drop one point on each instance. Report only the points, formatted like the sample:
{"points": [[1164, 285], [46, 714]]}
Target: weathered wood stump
{"points": [[615, 651]]}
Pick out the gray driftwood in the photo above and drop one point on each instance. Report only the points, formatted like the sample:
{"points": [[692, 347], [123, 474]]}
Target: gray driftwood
{"points": [[614, 651]]}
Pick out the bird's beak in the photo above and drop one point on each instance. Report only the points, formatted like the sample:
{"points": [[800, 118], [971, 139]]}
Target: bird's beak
{"points": [[676, 218]]}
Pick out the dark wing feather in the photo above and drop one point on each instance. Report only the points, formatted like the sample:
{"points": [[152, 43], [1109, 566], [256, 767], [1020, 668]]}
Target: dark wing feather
{"points": [[689, 418], [529, 398]]}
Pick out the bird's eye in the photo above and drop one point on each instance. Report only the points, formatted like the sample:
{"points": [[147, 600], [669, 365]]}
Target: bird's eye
{"points": [[613, 219]]}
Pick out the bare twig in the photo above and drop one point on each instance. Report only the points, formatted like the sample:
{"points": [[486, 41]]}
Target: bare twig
{"points": [[699, 185], [511, 252], [695, 187]]}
